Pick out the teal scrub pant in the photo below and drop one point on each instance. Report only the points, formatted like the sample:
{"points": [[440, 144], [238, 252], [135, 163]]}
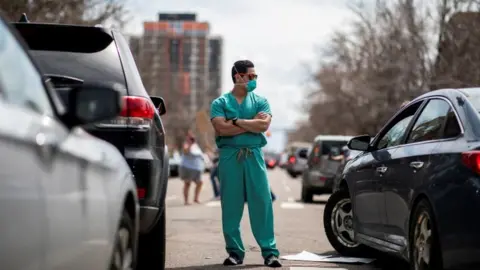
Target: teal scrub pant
{"points": [[243, 178]]}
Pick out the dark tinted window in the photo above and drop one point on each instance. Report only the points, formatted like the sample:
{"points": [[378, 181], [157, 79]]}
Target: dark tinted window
{"points": [[134, 80], [395, 135], [85, 53], [452, 127], [303, 153], [430, 122], [333, 147], [398, 127]]}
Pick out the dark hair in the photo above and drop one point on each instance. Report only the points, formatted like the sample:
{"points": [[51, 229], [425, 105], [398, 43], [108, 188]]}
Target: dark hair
{"points": [[241, 66]]}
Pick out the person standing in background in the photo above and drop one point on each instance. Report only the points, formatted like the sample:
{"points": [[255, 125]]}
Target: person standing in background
{"points": [[214, 178], [191, 167]]}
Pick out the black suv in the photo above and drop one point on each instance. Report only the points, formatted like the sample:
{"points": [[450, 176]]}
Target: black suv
{"points": [[70, 55]]}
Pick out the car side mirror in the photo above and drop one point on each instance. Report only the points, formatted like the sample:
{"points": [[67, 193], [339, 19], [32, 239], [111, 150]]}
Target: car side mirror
{"points": [[360, 143], [159, 104], [94, 102]]}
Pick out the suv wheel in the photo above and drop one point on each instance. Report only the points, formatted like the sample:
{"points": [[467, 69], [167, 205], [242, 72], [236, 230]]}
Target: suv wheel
{"points": [[307, 195], [338, 223], [123, 252], [151, 250]]}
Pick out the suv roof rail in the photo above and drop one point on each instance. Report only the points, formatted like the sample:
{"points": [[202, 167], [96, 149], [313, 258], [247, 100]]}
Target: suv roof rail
{"points": [[24, 18]]}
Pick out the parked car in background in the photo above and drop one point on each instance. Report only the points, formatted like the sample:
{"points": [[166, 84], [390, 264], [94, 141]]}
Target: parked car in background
{"points": [[68, 198], [322, 165], [68, 61], [271, 159], [414, 191], [297, 153], [174, 163]]}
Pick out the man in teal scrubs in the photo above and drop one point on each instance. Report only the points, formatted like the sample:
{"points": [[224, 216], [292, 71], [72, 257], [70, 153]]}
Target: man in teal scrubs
{"points": [[240, 118]]}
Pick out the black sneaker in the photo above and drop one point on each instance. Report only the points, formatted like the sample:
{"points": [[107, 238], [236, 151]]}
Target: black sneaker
{"points": [[272, 261], [232, 260]]}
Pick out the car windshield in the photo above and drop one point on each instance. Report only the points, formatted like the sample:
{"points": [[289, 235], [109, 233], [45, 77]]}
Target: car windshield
{"points": [[61, 51]]}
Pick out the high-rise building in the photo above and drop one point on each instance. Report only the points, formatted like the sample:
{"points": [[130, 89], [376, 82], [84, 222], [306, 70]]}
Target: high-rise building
{"points": [[214, 68], [178, 61]]}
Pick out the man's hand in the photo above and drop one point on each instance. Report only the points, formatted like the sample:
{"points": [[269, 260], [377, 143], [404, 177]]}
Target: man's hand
{"points": [[225, 127], [261, 115], [259, 124]]}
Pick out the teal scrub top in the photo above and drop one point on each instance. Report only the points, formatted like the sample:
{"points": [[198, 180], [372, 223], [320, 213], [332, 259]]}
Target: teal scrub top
{"points": [[226, 106]]}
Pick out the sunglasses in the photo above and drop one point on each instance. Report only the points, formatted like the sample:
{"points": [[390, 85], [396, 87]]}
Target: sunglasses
{"points": [[251, 76]]}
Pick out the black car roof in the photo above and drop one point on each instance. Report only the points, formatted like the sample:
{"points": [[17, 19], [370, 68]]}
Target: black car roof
{"points": [[60, 26]]}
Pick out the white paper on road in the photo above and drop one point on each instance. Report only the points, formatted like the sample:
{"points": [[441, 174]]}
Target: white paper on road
{"points": [[312, 257], [348, 260], [304, 256]]}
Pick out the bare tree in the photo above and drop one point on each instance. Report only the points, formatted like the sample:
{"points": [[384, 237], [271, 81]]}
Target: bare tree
{"points": [[88, 12], [395, 52]]}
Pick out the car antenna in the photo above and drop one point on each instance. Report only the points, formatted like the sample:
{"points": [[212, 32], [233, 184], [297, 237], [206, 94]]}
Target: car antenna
{"points": [[23, 18]]}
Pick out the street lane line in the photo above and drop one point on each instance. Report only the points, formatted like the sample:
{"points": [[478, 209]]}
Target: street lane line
{"points": [[292, 205], [170, 198], [291, 199], [213, 204]]}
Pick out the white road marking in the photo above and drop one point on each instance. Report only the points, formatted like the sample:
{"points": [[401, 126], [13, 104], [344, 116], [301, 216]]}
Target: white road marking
{"points": [[170, 198], [292, 205], [291, 199], [213, 204]]}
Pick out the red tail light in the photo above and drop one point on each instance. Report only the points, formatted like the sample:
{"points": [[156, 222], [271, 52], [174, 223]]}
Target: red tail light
{"points": [[141, 193], [471, 159], [136, 111], [323, 178], [291, 159], [271, 162]]}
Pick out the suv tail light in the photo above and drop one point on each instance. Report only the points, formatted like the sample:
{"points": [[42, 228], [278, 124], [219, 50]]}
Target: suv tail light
{"points": [[471, 159], [136, 112], [291, 160]]}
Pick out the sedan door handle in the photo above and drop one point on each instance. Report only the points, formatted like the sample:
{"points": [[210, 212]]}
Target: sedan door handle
{"points": [[382, 169], [46, 144], [416, 164]]}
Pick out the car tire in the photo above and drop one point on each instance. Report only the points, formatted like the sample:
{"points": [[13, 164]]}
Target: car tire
{"points": [[292, 174], [123, 255], [151, 250], [307, 194], [425, 252], [340, 231]]}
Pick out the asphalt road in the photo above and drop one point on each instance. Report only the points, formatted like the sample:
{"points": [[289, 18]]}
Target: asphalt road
{"points": [[195, 240]]}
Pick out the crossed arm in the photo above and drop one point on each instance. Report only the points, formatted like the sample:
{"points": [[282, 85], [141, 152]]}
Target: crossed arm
{"points": [[259, 124]]}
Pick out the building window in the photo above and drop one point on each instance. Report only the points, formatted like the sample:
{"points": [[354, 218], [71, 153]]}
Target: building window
{"points": [[174, 53]]}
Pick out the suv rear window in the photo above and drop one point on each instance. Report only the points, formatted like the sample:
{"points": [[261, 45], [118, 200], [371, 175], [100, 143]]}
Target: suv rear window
{"points": [[85, 53], [329, 146]]}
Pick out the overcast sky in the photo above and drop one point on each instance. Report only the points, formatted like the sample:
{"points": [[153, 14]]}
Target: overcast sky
{"points": [[280, 37]]}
